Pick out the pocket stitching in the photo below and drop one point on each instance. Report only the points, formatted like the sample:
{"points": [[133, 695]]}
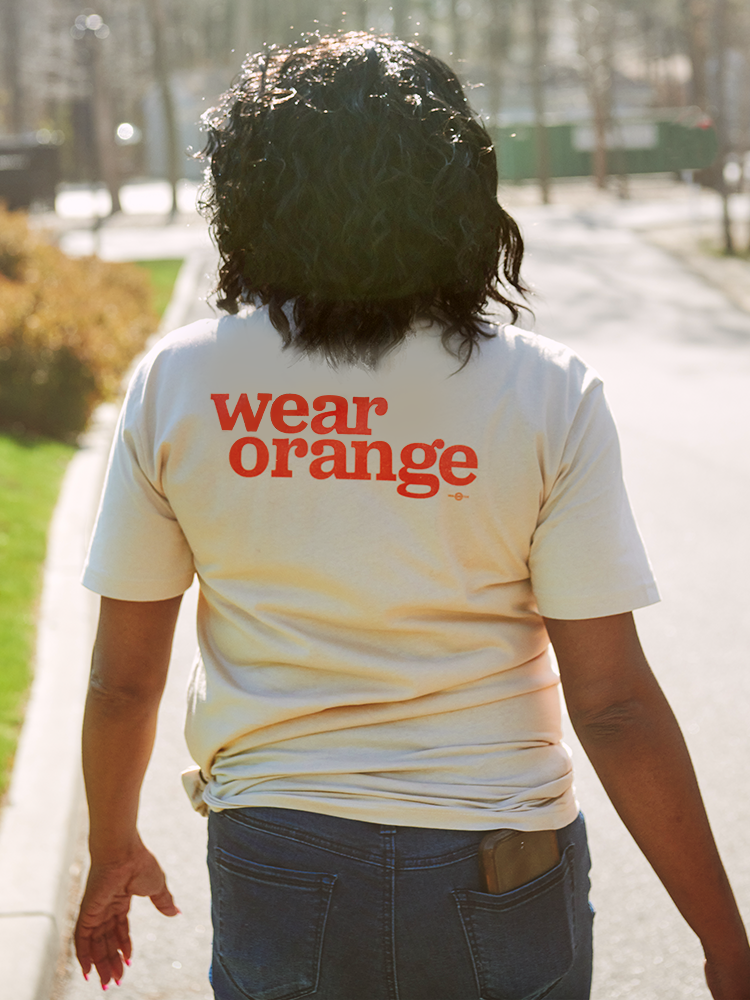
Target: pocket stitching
{"points": [[564, 870], [270, 873], [320, 879]]}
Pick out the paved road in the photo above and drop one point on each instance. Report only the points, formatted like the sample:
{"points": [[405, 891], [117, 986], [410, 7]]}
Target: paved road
{"points": [[676, 360], [675, 357]]}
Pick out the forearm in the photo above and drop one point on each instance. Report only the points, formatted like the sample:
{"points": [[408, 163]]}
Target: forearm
{"points": [[118, 737], [639, 753], [128, 673]]}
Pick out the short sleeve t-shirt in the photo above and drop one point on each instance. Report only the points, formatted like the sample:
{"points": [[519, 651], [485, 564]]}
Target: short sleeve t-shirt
{"points": [[375, 550]]}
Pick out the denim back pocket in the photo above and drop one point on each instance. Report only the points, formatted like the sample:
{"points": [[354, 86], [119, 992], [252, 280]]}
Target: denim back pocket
{"points": [[269, 933], [521, 942]]}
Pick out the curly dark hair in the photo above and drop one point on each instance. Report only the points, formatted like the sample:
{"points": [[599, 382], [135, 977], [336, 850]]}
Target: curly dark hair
{"points": [[350, 178]]}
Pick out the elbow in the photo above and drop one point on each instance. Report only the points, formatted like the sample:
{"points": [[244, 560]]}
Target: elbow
{"points": [[610, 724], [125, 697]]}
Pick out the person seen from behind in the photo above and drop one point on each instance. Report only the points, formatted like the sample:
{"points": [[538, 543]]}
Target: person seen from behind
{"points": [[393, 503]]}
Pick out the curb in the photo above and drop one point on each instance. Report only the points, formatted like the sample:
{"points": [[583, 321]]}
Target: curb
{"points": [[39, 821]]}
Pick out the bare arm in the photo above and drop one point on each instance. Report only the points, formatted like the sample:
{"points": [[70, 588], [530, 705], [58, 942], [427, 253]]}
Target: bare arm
{"points": [[631, 737], [128, 673]]}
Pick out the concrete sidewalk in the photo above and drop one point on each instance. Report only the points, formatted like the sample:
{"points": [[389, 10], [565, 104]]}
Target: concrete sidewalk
{"points": [[42, 839], [143, 230], [171, 957]]}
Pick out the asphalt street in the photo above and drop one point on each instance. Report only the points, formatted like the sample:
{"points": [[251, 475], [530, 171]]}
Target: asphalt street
{"points": [[675, 357]]}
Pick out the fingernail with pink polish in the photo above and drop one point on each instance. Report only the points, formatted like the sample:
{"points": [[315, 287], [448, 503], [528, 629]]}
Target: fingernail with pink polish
{"points": [[126, 961]]}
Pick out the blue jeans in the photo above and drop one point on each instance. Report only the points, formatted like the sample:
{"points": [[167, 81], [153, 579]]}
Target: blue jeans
{"points": [[306, 905]]}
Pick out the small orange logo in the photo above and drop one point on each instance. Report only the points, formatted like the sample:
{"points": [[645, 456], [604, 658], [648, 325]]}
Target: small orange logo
{"points": [[459, 496]]}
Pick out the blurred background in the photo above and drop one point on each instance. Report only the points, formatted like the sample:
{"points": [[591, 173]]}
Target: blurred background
{"points": [[112, 94], [622, 129]]}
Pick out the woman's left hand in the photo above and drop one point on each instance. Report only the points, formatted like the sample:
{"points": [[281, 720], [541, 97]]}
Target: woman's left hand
{"points": [[102, 935]]}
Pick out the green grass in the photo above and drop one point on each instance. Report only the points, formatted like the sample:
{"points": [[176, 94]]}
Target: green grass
{"points": [[30, 474], [163, 276], [713, 248]]}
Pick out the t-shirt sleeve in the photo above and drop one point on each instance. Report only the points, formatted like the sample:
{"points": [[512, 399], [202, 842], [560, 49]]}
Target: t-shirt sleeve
{"points": [[138, 551], [587, 558]]}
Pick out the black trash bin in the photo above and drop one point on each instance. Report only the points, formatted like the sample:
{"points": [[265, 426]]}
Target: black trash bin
{"points": [[29, 170]]}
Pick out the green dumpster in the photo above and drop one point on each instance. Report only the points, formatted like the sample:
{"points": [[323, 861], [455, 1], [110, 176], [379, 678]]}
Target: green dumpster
{"points": [[634, 146]]}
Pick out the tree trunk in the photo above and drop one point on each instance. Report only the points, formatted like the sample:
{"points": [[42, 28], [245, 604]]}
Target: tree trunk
{"points": [[104, 126], [400, 18], [243, 34], [362, 15], [161, 70], [261, 22], [457, 32], [498, 43], [744, 109], [11, 31], [540, 27], [721, 20], [601, 136], [596, 47], [420, 26], [696, 18]]}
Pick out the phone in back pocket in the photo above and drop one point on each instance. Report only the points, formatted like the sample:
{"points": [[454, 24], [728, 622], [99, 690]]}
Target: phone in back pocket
{"points": [[511, 858]]}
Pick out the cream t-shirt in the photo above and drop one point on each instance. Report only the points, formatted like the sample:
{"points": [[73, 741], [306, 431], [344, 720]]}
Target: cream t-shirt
{"points": [[375, 550]]}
